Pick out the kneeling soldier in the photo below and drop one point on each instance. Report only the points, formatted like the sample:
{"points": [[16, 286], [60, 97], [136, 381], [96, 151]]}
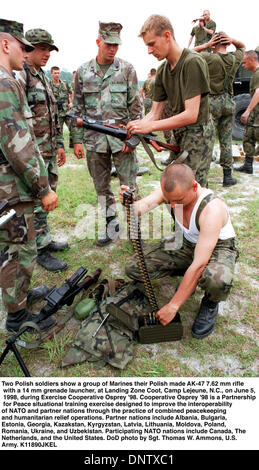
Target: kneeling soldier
{"points": [[207, 255]]}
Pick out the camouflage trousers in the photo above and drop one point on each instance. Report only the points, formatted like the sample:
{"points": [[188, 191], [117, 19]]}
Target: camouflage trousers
{"points": [[216, 279], [251, 134], [62, 120], [147, 105], [222, 108], [198, 141], [17, 257], [99, 166], [43, 236]]}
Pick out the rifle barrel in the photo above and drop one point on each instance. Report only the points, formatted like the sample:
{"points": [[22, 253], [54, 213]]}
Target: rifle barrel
{"points": [[122, 134], [118, 132]]}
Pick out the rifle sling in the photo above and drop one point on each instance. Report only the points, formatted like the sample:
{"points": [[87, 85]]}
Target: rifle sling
{"points": [[179, 159], [149, 152]]}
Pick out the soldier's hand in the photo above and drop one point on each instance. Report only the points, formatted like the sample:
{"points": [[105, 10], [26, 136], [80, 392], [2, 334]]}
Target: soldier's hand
{"points": [[140, 126], [166, 314], [61, 157], [50, 201], [122, 191], [126, 149], [244, 117], [79, 151], [225, 39], [214, 40]]}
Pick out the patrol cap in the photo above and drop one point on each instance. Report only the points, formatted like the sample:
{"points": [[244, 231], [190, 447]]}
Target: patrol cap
{"points": [[16, 30], [39, 36], [110, 32]]}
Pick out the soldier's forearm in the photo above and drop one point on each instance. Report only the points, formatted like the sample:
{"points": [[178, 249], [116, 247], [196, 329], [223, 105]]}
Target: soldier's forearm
{"points": [[187, 286], [254, 101], [202, 47], [237, 44], [209, 31]]}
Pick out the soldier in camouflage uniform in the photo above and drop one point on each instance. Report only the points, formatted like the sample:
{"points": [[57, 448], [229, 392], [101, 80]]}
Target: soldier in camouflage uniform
{"points": [[222, 70], [183, 81], [72, 84], [49, 138], [63, 95], [107, 88], [207, 254], [147, 90], [251, 116], [23, 181]]}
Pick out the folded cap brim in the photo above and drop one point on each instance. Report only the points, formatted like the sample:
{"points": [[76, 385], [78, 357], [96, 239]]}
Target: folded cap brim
{"points": [[28, 46], [52, 46], [113, 41]]}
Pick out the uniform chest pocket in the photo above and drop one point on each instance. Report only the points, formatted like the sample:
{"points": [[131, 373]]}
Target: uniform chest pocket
{"points": [[118, 95], [91, 95], [35, 96]]}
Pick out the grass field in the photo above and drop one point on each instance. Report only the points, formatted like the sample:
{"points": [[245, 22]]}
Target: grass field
{"points": [[232, 349]]}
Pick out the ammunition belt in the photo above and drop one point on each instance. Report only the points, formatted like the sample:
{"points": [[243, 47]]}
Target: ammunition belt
{"points": [[135, 236]]}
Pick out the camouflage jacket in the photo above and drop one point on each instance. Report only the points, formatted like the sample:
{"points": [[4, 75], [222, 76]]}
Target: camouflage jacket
{"points": [[62, 93], [23, 176], [44, 110], [114, 95]]}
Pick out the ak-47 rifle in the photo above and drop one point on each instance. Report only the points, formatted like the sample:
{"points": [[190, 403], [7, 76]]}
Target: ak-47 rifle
{"points": [[120, 132], [198, 19]]}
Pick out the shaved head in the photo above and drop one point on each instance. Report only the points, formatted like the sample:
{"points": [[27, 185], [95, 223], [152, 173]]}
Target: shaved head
{"points": [[177, 174]]}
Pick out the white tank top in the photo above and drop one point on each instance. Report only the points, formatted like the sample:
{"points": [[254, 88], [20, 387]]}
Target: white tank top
{"points": [[192, 233]]}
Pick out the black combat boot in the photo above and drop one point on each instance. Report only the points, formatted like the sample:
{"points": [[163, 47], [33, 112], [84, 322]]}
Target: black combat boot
{"points": [[111, 231], [228, 180], [37, 294], [15, 320], [49, 262], [205, 319], [247, 167], [56, 246]]}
